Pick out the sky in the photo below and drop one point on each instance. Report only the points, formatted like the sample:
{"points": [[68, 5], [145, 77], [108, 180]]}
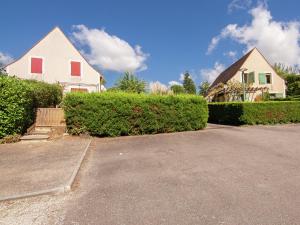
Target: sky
{"points": [[157, 40]]}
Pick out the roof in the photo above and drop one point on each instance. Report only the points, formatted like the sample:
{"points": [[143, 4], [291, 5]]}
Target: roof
{"points": [[56, 28], [227, 74]]}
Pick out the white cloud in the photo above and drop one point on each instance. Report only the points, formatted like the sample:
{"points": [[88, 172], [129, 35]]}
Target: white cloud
{"points": [[231, 54], [174, 82], [278, 41], [211, 74], [238, 5], [109, 52], [5, 59]]}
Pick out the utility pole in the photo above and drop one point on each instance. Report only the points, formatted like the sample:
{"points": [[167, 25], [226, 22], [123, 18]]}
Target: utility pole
{"points": [[243, 82]]}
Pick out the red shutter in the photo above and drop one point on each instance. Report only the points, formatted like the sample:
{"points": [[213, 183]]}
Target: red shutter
{"points": [[75, 69], [36, 65]]}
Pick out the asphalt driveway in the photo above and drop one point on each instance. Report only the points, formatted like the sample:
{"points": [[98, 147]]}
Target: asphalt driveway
{"points": [[31, 168], [239, 175]]}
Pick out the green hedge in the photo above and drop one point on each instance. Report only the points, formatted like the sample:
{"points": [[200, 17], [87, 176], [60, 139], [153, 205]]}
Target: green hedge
{"points": [[45, 95], [119, 114], [18, 101], [239, 113]]}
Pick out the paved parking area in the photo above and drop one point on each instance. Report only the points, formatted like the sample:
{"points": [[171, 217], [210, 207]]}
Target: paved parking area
{"points": [[226, 175], [30, 168]]}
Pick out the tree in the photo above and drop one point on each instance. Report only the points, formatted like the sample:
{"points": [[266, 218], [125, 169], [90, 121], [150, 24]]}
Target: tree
{"points": [[203, 88], [177, 89], [130, 83], [188, 84], [291, 78]]}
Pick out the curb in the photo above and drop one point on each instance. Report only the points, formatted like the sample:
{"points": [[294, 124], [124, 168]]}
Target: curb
{"points": [[56, 190], [68, 187]]}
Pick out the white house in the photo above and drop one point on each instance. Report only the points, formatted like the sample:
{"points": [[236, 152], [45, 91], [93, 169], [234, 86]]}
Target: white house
{"points": [[54, 59], [254, 70]]}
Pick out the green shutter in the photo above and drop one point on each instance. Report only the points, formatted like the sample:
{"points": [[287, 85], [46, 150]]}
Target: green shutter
{"points": [[251, 78], [262, 78]]}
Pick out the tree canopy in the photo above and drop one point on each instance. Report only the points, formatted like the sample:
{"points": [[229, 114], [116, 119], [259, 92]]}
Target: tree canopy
{"points": [[177, 89], [131, 83], [203, 88], [188, 84]]}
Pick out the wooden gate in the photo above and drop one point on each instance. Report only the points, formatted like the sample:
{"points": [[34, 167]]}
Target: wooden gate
{"points": [[48, 117]]}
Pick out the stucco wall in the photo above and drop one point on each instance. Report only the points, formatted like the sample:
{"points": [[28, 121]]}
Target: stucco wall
{"points": [[57, 53], [257, 64]]}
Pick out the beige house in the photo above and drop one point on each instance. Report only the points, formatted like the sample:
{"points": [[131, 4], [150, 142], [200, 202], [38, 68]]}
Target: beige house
{"points": [[54, 59], [254, 73]]}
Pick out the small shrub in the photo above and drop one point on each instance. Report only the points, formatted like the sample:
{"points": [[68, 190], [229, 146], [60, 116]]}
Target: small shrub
{"points": [[45, 95], [19, 100], [117, 114], [16, 104], [10, 139], [239, 113]]}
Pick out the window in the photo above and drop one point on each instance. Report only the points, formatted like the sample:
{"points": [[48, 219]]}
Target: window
{"points": [[265, 78], [79, 90], [268, 78], [249, 78], [75, 68], [37, 65]]}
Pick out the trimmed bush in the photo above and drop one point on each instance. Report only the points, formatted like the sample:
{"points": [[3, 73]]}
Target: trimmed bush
{"points": [[119, 114], [45, 95], [19, 99], [239, 113], [16, 106]]}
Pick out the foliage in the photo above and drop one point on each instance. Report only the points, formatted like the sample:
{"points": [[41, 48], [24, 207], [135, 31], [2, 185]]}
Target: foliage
{"points": [[293, 84], [203, 88], [283, 70], [177, 89], [188, 84], [44, 94], [291, 76], [19, 99], [130, 83], [118, 114], [159, 88], [239, 113], [10, 139], [16, 106]]}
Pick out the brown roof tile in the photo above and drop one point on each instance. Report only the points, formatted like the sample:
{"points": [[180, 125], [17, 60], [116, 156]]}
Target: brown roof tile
{"points": [[231, 70]]}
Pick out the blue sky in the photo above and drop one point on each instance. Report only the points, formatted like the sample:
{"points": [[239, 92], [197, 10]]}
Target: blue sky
{"points": [[173, 36]]}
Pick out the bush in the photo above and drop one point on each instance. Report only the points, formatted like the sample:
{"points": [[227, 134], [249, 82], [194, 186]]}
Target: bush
{"points": [[45, 95], [16, 106], [10, 139], [239, 113], [117, 114], [19, 99]]}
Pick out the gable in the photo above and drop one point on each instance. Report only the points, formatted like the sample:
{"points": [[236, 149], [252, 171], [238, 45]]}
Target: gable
{"points": [[254, 61], [54, 43]]}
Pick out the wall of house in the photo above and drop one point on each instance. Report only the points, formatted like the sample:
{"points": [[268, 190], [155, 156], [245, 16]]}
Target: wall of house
{"points": [[57, 53], [257, 64]]}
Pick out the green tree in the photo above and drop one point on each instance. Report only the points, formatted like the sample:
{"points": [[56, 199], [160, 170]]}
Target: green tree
{"points": [[203, 88], [177, 89], [188, 84], [291, 78], [131, 83]]}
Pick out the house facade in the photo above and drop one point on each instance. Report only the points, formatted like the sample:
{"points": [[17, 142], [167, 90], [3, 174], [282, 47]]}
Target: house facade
{"points": [[54, 59], [255, 73]]}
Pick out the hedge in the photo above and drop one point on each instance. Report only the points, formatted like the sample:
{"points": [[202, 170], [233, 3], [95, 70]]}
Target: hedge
{"points": [[45, 95], [239, 113], [18, 101], [120, 114]]}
